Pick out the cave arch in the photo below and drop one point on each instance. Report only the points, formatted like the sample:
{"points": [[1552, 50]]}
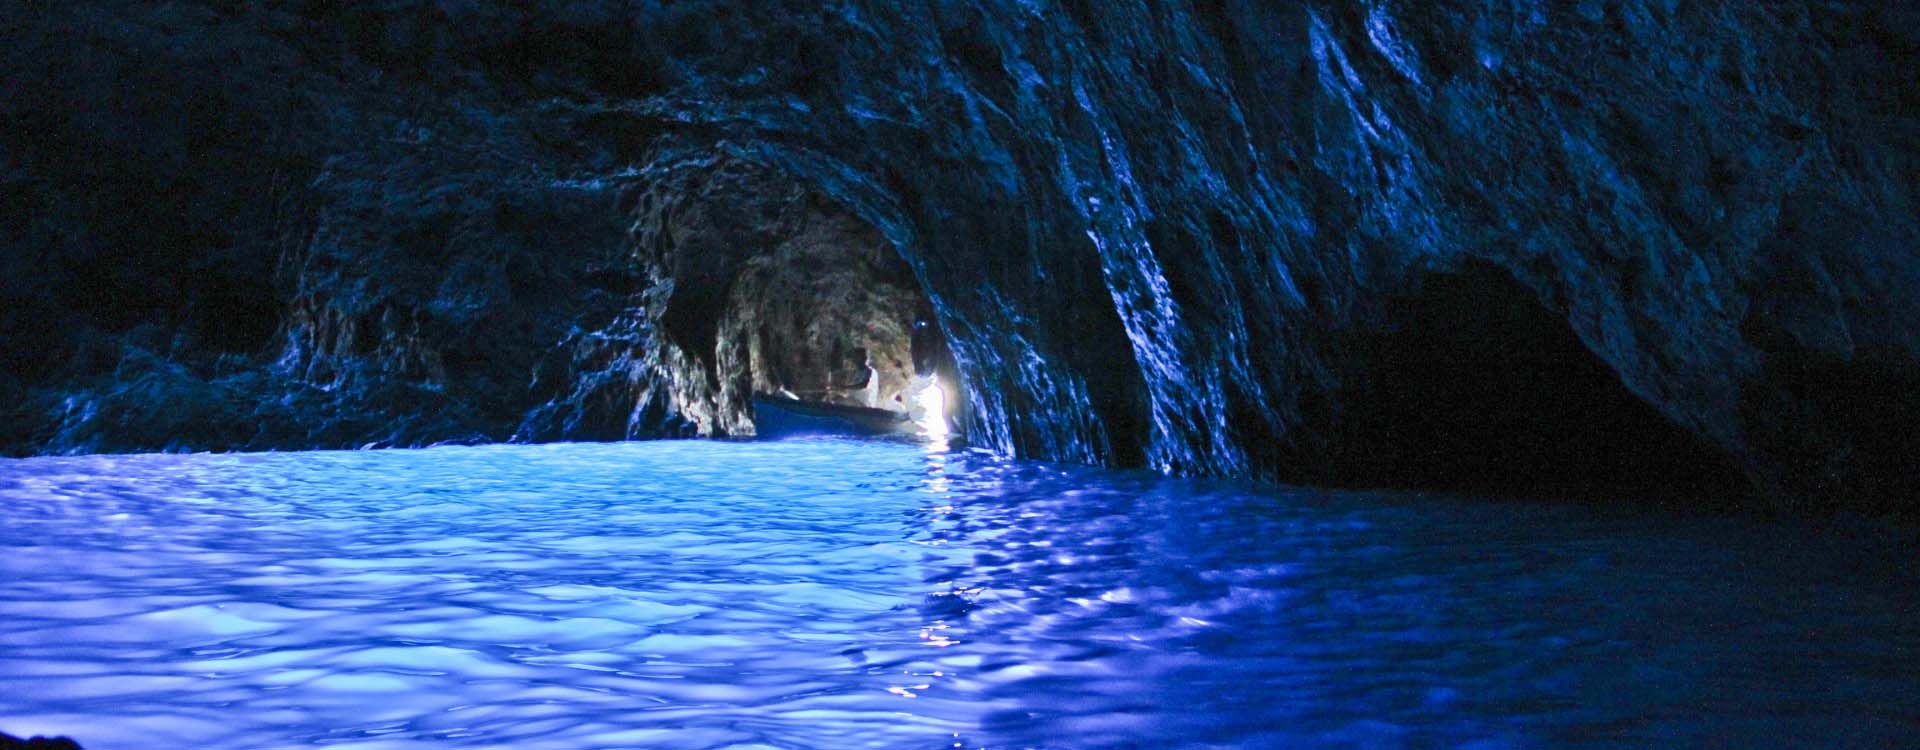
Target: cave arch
{"points": [[766, 291]]}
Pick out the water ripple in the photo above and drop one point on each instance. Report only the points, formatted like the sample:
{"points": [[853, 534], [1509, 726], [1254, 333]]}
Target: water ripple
{"points": [[840, 594]]}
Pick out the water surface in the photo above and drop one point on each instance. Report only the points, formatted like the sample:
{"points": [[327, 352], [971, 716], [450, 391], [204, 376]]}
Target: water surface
{"points": [[843, 594]]}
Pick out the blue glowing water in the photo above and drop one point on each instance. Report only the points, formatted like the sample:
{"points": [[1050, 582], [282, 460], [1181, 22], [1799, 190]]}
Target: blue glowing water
{"points": [[838, 594]]}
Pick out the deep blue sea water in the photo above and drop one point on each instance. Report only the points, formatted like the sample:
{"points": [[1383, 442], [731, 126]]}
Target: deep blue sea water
{"points": [[839, 594]]}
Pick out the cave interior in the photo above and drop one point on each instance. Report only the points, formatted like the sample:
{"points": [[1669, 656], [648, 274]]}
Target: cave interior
{"points": [[815, 314]]}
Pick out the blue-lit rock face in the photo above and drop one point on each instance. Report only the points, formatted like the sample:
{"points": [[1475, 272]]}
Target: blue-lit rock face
{"points": [[1302, 240]]}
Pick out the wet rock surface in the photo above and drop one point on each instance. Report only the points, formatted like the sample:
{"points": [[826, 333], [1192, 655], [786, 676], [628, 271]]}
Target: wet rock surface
{"points": [[1197, 236]]}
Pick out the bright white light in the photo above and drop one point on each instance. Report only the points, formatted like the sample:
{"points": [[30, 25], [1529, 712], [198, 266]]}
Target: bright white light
{"points": [[932, 403]]}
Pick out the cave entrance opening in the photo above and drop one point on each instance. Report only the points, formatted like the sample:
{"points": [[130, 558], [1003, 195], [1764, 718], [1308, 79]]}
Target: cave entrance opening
{"points": [[785, 313]]}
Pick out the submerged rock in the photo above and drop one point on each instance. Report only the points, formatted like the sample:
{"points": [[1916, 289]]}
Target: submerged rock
{"points": [[1602, 248]]}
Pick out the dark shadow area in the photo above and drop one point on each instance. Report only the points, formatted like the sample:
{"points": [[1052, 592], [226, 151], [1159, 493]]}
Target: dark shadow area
{"points": [[10, 742], [1842, 427], [1475, 386]]}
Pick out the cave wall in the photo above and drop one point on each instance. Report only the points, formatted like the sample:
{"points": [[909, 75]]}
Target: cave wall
{"points": [[1156, 233]]}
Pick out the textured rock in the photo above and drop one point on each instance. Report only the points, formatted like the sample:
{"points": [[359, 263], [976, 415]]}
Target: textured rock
{"points": [[1198, 236]]}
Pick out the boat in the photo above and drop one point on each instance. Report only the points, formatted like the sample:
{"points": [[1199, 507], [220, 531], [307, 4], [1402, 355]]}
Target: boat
{"points": [[781, 416]]}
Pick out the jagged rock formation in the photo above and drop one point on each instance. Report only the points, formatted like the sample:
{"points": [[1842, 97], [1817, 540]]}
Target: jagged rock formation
{"points": [[1209, 236]]}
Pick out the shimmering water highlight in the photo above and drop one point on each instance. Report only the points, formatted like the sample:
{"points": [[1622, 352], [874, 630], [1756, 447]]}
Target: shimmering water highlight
{"points": [[843, 594]]}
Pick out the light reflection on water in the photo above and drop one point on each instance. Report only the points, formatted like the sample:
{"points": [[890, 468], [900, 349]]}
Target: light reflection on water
{"points": [[842, 594]]}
